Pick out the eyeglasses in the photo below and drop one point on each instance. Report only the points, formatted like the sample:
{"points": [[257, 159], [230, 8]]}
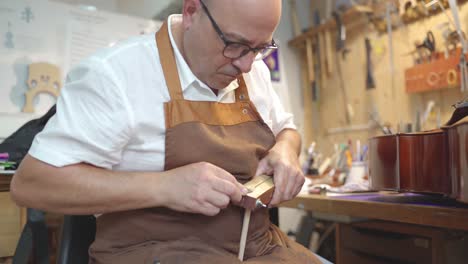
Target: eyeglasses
{"points": [[235, 50]]}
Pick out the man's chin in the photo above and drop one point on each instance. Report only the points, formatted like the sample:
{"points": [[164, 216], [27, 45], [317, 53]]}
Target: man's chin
{"points": [[222, 83]]}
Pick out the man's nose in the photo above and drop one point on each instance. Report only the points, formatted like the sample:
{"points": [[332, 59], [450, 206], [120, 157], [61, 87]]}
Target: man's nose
{"points": [[245, 62]]}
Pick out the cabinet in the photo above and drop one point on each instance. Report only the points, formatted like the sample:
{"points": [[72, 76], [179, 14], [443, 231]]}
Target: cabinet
{"points": [[381, 242]]}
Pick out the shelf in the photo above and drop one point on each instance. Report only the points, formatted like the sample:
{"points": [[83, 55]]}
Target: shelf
{"points": [[347, 17]]}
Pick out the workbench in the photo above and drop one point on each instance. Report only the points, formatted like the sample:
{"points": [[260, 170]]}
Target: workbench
{"points": [[391, 227], [420, 209]]}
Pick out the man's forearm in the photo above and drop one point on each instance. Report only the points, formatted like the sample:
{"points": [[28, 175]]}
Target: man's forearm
{"points": [[82, 188], [290, 137]]}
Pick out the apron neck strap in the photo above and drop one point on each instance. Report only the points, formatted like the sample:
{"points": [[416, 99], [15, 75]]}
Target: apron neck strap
{"points": [[242, 93], [168, 63]]}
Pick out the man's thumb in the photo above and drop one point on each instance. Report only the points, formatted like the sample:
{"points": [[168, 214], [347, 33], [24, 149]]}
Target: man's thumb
{"points": [[264, 168]]}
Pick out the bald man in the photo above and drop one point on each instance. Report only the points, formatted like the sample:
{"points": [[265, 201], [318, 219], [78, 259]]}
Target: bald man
{"points": [[156, 135]]}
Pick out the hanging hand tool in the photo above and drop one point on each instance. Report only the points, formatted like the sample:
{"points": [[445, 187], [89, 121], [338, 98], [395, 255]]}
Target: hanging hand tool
{"points": [[428, 43], [390, 8], [349, 112], [427, 48], [310, 64], [328, 52], [424, 49], [294, 18], [341, 47], [341, 35], [323, 56], [316, 63], [370, 81]]}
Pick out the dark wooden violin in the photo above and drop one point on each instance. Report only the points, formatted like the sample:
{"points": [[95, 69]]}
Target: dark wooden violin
{"points": [[434, 161]]}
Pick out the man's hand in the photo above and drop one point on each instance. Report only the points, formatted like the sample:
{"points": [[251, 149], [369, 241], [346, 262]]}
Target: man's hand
{"points": [[282, 162], [201, 188]]}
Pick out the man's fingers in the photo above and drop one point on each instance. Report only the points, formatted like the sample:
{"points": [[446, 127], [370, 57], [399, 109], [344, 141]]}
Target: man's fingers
{"points": [[264, 168], [290, 187], [228, 177], [299, 183], [209, 209], [232, 190], [279, 186], [217, 199], [226, 183]]}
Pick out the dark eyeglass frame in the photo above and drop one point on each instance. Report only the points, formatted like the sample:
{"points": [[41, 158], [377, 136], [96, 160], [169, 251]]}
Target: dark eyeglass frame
{"points": [[263, 51]]}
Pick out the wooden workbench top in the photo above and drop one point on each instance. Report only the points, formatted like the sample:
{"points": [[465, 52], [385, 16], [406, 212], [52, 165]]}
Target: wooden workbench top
{"points": [[428, 210]]}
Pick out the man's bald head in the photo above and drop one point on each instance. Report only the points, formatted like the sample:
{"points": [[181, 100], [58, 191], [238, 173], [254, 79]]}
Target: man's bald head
{"points": [[258, 14]]}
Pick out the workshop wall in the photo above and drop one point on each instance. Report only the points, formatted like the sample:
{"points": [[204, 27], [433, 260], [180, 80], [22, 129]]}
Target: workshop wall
{"points": [[325, 120]]}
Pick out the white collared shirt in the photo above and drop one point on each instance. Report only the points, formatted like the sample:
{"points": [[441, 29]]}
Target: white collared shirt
{"points": [[110, 111]]}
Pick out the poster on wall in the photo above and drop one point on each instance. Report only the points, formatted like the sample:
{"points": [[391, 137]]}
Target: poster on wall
{"points": [[89, 31], [25, 37], [272, 61], [40, 41]]}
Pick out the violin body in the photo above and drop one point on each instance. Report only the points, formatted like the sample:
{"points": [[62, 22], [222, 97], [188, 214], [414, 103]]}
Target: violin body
{"points": [[433, 161], [422, 166], [430, 162], [409, 162]]}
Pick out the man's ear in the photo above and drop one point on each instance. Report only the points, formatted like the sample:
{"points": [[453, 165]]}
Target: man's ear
{"points": [[189, 11]]}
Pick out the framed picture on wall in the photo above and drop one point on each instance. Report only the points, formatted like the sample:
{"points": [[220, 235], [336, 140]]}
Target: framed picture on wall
{"points": [[273, 63]]}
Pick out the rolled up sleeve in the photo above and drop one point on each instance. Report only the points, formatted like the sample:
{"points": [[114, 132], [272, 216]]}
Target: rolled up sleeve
{"points": [[93, 121]]}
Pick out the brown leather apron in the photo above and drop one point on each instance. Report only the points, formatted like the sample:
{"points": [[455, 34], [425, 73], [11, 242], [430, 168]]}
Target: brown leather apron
{"points": [[231, 136]]}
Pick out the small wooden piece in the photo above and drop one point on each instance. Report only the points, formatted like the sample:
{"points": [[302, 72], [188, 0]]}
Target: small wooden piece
{"points": [[261, 189], [245, 228], [42, 78]]}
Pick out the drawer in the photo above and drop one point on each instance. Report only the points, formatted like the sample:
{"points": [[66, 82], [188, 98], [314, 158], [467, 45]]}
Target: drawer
{"points": [[386, 244], [349, 256]]}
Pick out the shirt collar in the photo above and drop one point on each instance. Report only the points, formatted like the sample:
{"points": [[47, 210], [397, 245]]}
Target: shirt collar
{"points": [[187, 78]]}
